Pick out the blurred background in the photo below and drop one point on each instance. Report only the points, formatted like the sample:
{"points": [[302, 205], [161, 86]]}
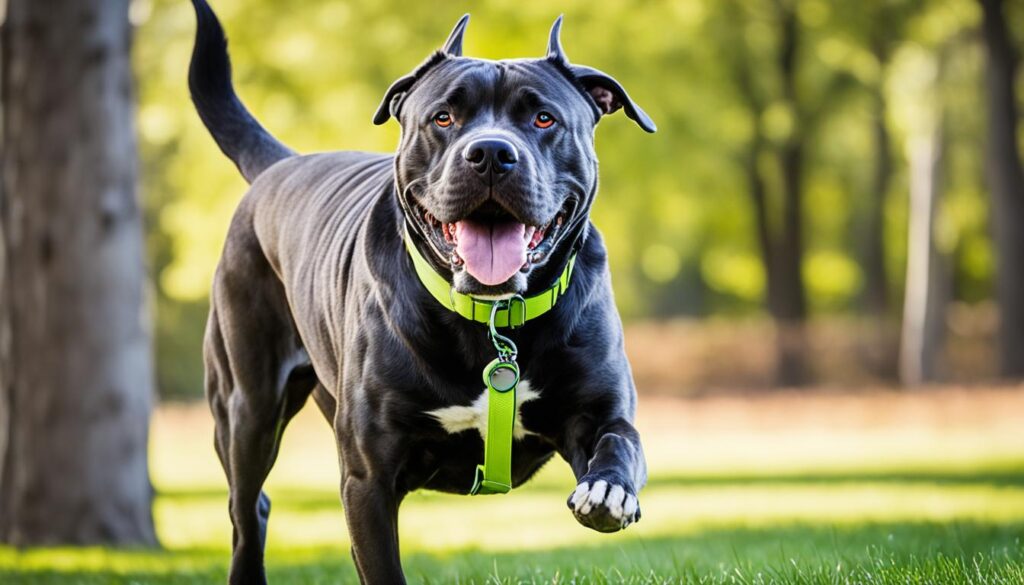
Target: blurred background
{"points": [[819, 261], [769, 219]]}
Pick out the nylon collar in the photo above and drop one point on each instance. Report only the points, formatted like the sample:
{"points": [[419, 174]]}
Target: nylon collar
{"points": [[479, 310]]}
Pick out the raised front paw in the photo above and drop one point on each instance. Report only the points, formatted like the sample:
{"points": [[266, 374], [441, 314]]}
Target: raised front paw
{"points": [[604, 505]]}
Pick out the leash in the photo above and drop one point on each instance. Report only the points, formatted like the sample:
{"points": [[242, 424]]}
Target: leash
{"points": [[501, 375]]}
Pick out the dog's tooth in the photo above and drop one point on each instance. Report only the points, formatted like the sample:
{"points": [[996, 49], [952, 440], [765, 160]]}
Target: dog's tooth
{"points": [[559, 220], [528, 233], [536, 238], [536, 257], [456, 259]]}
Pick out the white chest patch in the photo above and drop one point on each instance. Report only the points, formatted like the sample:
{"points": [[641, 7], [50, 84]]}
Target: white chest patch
{"points": [[456, 419]]}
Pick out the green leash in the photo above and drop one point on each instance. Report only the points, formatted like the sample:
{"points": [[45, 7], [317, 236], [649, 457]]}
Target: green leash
{"points": [[501, 375]]}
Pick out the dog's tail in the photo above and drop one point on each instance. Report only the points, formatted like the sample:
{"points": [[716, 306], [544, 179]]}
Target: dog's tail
{"points": [[238, 134]]}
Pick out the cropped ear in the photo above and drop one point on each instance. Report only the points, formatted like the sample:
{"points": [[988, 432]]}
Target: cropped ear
{"points": [[453, 46], [392, 101], [609, 95], [555, 51]]}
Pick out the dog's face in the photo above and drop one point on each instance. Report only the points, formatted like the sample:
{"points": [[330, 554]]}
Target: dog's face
{"points": [[496, 171]]}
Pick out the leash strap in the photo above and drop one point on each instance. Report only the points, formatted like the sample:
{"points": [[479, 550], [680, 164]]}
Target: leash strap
{"points": [[494, 476], [501, 376]]}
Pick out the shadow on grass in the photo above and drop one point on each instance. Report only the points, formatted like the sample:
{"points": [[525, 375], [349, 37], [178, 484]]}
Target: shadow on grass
{"points": [[881, 553], [1005, 477], [309, 500]]}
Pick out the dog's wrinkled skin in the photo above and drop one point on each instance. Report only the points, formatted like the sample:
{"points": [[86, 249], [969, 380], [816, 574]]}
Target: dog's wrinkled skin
{"points": [[315, 294]]}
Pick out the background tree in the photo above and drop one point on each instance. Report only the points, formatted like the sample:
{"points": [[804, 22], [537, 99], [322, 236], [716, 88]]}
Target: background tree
{"points": [[927, 278], [785, 113], [77, 380], [1006, 182], [877, 30]]}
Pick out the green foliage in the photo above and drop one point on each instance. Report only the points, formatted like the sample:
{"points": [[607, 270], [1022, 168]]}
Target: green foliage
{"points": [[674, 206]]}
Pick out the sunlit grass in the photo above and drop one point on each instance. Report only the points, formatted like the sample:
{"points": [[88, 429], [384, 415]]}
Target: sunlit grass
{"points": [[908, 503]]}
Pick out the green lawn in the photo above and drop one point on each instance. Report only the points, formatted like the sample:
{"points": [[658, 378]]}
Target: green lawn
{"points": [[933, 501]]}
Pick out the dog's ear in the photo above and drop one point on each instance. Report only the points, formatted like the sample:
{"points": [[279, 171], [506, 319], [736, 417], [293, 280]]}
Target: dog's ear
{"points": [[556, 53], [393, 98], [607, 93], [389, 106], [453, 46]]}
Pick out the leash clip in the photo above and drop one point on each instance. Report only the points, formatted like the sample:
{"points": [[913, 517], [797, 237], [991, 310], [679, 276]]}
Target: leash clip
{"points": [[505, 347]]}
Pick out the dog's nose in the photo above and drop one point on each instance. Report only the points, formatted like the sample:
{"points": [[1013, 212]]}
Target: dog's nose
{"points": [[491, 155]]}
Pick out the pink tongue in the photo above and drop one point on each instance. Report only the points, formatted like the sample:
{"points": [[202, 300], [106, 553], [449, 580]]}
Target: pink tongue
{"points": [[493, 252]]}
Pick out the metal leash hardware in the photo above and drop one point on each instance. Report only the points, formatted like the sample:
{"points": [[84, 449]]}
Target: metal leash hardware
{"points": [[501, 376]]}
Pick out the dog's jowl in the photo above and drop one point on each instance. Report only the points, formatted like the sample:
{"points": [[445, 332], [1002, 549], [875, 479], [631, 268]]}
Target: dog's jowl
{"points": [[448, 307]]}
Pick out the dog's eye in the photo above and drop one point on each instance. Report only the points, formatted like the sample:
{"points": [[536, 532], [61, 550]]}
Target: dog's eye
{"points": [[443, 119], [544, 120]]}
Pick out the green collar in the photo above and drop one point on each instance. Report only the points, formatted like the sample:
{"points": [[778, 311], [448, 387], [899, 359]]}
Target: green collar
{"points": [[515, 314]]}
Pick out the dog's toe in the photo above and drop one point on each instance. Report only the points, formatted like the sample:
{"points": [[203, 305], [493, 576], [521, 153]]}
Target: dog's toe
{"points": [[578, 496], [604, 506], [615, 499], [595, 497], [631, 509]]}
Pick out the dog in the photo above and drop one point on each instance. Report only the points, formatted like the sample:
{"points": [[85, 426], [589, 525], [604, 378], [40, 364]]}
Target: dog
{"points": [[321, 291]]}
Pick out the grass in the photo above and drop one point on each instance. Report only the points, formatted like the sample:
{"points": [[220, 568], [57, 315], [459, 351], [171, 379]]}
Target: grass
{"points": [[742, 491]]}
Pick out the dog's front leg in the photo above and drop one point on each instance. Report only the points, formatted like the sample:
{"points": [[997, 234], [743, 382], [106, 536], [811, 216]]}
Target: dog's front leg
{"points": [[610, 470], [371, 510], [371, 464]]}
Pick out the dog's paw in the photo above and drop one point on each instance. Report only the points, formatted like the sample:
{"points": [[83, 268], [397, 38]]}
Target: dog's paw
{"points": [[604, 505]]}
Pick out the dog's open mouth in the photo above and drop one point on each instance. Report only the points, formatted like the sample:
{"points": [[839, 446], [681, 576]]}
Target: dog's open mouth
{"points": [[491, 244]]}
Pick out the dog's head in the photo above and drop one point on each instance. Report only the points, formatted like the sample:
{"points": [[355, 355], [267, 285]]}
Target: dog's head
{"points": [[496, 171]]}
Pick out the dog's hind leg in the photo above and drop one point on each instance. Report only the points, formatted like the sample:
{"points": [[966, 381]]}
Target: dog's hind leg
{"points": [[257, 379]]}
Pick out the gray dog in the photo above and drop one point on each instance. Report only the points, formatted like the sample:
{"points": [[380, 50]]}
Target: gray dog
{"points": [[378, 283]]}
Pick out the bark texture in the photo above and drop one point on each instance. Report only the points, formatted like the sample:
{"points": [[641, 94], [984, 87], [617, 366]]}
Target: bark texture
{"points": [[927, 288], [1006, 183], [77, 380], [787, 298]]}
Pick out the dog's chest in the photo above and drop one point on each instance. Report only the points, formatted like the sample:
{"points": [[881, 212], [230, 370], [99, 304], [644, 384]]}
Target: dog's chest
{"points": [[457, 419]]}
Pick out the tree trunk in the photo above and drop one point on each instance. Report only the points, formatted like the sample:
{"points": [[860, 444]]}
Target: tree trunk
{"points": [[927, 288], [788, 299], [880, 347], [1006, 182], [6, 391], [876, 293], [78, 386]]}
